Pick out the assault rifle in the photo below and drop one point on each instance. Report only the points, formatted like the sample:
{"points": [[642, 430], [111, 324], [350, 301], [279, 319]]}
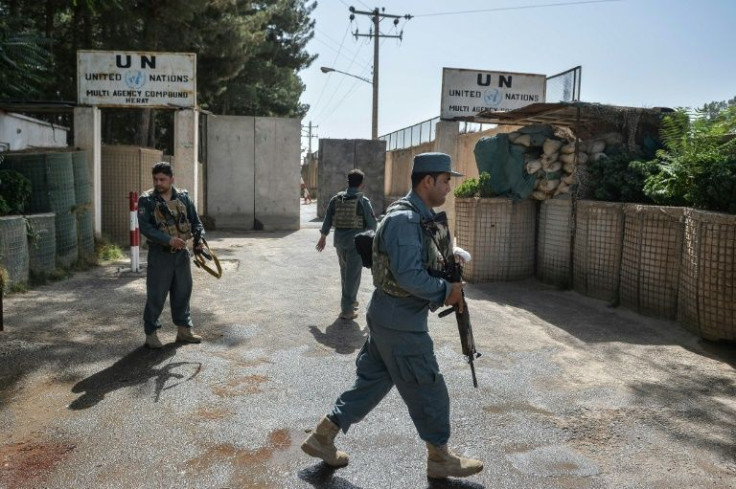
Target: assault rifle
{"points": [[454, 273]]}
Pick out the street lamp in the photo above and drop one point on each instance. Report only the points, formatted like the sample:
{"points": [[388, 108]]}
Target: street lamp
{"points": [[374, 128]]}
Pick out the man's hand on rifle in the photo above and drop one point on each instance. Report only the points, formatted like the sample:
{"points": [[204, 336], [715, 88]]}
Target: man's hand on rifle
{"points": [[455, 298]]}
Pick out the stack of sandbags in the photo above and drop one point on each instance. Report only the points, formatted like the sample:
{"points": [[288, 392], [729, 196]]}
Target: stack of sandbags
{"points": [[554, 162]]}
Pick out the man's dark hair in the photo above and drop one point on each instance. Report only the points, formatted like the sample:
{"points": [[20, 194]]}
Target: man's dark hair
{"points": [[418, 177], [162, 167], [355, 178]]}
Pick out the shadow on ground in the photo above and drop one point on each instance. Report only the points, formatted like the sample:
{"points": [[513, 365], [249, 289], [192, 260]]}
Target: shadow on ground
{"points": [[343, 335], [135, 368]]}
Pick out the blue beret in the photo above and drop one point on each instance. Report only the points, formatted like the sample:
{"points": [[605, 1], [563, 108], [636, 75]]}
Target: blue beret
{"points": [[434, 163]]}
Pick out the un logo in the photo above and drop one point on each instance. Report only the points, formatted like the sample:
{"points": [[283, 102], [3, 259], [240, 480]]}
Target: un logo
{"points": [[135, 79], [492, 98]]}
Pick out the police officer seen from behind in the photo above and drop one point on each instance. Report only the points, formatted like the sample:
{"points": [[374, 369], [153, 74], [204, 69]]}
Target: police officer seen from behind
{"points": [[351, 213], [168, 219], [410, 251]]}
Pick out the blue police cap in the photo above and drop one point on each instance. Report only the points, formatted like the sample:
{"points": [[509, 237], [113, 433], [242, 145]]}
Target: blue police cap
{"points": [[434, 163]]}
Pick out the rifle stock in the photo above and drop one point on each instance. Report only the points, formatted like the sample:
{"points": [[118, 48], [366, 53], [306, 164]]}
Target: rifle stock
{"points": [[465, 329]]}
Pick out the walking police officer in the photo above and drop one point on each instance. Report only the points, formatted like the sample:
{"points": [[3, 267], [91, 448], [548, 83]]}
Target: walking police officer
{"points": [[351, 213], [410, 250], [168, 219]]}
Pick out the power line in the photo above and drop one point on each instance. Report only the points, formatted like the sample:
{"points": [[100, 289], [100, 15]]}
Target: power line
{"points": [[520, 7]]}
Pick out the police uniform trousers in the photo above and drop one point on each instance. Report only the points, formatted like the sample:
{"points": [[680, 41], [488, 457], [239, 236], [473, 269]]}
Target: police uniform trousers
{"points": [[167, 274], [405, 359], [351, 267]]}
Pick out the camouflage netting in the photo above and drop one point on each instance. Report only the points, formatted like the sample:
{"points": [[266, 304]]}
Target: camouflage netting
{"points": [[499, 235], [707, 291], [650, 267], [554, 239], [14, 249], [597, 251], [52, 180], [83, 209], [42, 243]]}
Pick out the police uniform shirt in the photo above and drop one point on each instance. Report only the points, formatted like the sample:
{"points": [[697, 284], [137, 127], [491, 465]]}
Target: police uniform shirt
{"points": [[403, 242], [147, 223]]}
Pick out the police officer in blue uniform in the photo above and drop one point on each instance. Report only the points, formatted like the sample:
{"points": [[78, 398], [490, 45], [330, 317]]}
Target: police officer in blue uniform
{"points": [[410, 250], [168, 219], [351, 213]]}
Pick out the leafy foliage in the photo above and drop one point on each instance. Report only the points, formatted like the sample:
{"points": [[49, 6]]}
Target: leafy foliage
{"points": [[472, 187], [24, 59], [15, 190], [697, 166], [620, 178]]}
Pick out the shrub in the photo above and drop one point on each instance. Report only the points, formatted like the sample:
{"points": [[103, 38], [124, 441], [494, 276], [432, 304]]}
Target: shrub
{"points": [[15, 190], [620, 178], [475, 188], [697, 166]]}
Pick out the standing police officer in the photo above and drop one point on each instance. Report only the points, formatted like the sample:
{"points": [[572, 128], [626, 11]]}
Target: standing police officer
{"points": [[168, 219], [410, 251], [351, 213]]}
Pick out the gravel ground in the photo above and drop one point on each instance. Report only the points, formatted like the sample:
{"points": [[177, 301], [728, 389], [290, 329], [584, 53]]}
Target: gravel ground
{"points": [[573, 394]]}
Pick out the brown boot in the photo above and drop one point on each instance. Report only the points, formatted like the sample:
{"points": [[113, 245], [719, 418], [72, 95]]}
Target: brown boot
{"points": [[186, 335], [321, 444], [442, 463]]}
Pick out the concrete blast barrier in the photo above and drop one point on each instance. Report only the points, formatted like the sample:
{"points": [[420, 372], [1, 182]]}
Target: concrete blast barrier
{"points": [[338, 156], [253, 173]]}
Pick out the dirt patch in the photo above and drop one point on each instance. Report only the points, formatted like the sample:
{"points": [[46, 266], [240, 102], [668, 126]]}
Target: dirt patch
{"points": [[25, 464], [250, 384]]}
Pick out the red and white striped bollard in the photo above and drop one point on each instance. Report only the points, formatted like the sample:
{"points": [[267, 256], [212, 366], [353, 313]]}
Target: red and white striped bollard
{"points": [[134, 234]]}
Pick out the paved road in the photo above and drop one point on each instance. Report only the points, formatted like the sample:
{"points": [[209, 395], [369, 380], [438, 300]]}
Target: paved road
{"points": [[572, 394]]}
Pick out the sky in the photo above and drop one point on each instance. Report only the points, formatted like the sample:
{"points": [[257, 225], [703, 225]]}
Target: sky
{"points": [[637, 53]]}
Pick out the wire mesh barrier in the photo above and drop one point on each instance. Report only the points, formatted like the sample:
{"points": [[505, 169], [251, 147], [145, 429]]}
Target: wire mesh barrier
{"points": [[41, 244], [598, 243], [499, 235], [124, 169], [554, 241], [52, 181], [565, 86], [83, 205], [650, 263], [707, 296], [14, 249]]}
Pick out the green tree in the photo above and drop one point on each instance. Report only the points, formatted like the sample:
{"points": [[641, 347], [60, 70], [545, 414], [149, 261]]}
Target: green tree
{"points": [[268, 83], [24, 57], [697, 166]]}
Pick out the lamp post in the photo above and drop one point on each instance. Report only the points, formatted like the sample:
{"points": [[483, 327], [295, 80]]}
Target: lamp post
{"points": [[374, 124]]}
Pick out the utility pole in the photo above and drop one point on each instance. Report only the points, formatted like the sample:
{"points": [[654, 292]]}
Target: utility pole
{"points": [[309, 136], [375, 33]]}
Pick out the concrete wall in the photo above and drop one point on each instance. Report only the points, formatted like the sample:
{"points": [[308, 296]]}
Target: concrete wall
{"points": [[338, 156], [18, 132], [278, 149], [253, 172]]}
